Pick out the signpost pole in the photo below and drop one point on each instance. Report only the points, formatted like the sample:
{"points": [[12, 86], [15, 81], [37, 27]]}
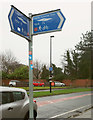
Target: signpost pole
{"points": [[42, 23], [30, 69]]}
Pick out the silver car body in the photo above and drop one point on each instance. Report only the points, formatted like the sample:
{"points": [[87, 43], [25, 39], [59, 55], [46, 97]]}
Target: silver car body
{"points": [[59, 84], [15, 109]]}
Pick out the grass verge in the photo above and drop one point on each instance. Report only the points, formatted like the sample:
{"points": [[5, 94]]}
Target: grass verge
{"points": [[43, 88], [58, 92]]}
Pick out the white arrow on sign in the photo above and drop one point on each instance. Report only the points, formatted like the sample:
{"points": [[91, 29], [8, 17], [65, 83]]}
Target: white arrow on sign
{"points": [[11, 18], [61, 19]]}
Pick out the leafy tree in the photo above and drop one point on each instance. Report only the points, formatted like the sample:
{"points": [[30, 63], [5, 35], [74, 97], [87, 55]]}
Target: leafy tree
{"points": [[59, 77], [4, 75], [56, 70], [84, 47], [57, 73], [45, 72], [20, 73]]}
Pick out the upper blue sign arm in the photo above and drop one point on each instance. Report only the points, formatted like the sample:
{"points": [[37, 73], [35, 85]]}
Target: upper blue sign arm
{"points": [[19, 23], [48, 22]]}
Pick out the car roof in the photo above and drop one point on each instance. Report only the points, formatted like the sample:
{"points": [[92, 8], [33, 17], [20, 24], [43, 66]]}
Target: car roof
{"points": [[3, 88]]}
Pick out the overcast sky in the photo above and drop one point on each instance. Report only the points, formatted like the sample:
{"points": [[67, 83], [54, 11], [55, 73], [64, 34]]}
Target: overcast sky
{"points": [[78, 21]]}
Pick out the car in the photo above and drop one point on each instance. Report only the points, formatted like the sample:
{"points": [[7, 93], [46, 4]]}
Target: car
{"points": [[15, 103], [13, 83], [56, 83], [38, 84]]}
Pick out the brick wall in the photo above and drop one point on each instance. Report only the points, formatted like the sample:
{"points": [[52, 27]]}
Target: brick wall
{"points": [[75, 83], [79, 82]]}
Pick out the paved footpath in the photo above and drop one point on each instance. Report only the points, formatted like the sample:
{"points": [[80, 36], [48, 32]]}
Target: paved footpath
{"points": [[87, 114]]}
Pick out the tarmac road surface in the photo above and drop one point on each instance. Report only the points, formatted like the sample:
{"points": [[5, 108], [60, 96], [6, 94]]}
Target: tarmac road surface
{"points": [[63, 106]]}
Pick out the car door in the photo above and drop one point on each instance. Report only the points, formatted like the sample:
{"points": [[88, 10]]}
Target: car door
{"points": [[7, 106], [18, 104], [12, 103]]}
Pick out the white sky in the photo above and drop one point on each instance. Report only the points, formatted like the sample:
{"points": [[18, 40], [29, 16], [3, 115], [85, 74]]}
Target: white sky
{"points": [[78, 21]]}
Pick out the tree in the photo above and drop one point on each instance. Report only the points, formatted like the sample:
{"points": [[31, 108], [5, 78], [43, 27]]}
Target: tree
{"points": [[75, 61], [84, 46], [68, 65], [57, 73], [78, 64], [37, 69], [21, 72], [8, 62], [56, 70], [45, 72]]}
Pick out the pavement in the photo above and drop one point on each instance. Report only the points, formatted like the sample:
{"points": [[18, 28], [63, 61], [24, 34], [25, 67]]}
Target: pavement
{"points": [[86, 114]]}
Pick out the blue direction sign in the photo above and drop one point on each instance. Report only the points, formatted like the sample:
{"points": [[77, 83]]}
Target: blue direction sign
{"points": [[50, 69], [48, 22], [19, 22]]}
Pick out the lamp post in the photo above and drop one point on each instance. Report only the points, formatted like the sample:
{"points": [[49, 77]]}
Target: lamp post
{"points": [[50, 69], [92, 55]]}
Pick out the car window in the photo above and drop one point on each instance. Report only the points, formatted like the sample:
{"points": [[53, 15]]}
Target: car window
{"points": [[7, 97], [18, 95]]}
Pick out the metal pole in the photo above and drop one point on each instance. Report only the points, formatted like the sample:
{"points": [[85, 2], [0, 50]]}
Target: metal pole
{"points": [[50, 60], [30, 69], [50, 53], [92, 56]]}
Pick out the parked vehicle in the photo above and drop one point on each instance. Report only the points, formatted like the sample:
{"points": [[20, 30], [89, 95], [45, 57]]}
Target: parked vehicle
{"points": [[13, 83], [59, 84], [16, 83], [15, 103], [38, 84]]}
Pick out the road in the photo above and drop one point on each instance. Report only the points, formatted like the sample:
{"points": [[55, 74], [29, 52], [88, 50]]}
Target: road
{"points": [[63, 106]]}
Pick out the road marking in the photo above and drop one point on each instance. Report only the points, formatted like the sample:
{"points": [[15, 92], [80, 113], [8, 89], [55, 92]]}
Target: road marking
{"points": [[42, 103], [69, 112]]}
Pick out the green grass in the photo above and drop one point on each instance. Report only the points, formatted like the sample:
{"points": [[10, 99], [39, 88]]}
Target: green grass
{"points": [[55, 92], [42, 88], [58, 92]]}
